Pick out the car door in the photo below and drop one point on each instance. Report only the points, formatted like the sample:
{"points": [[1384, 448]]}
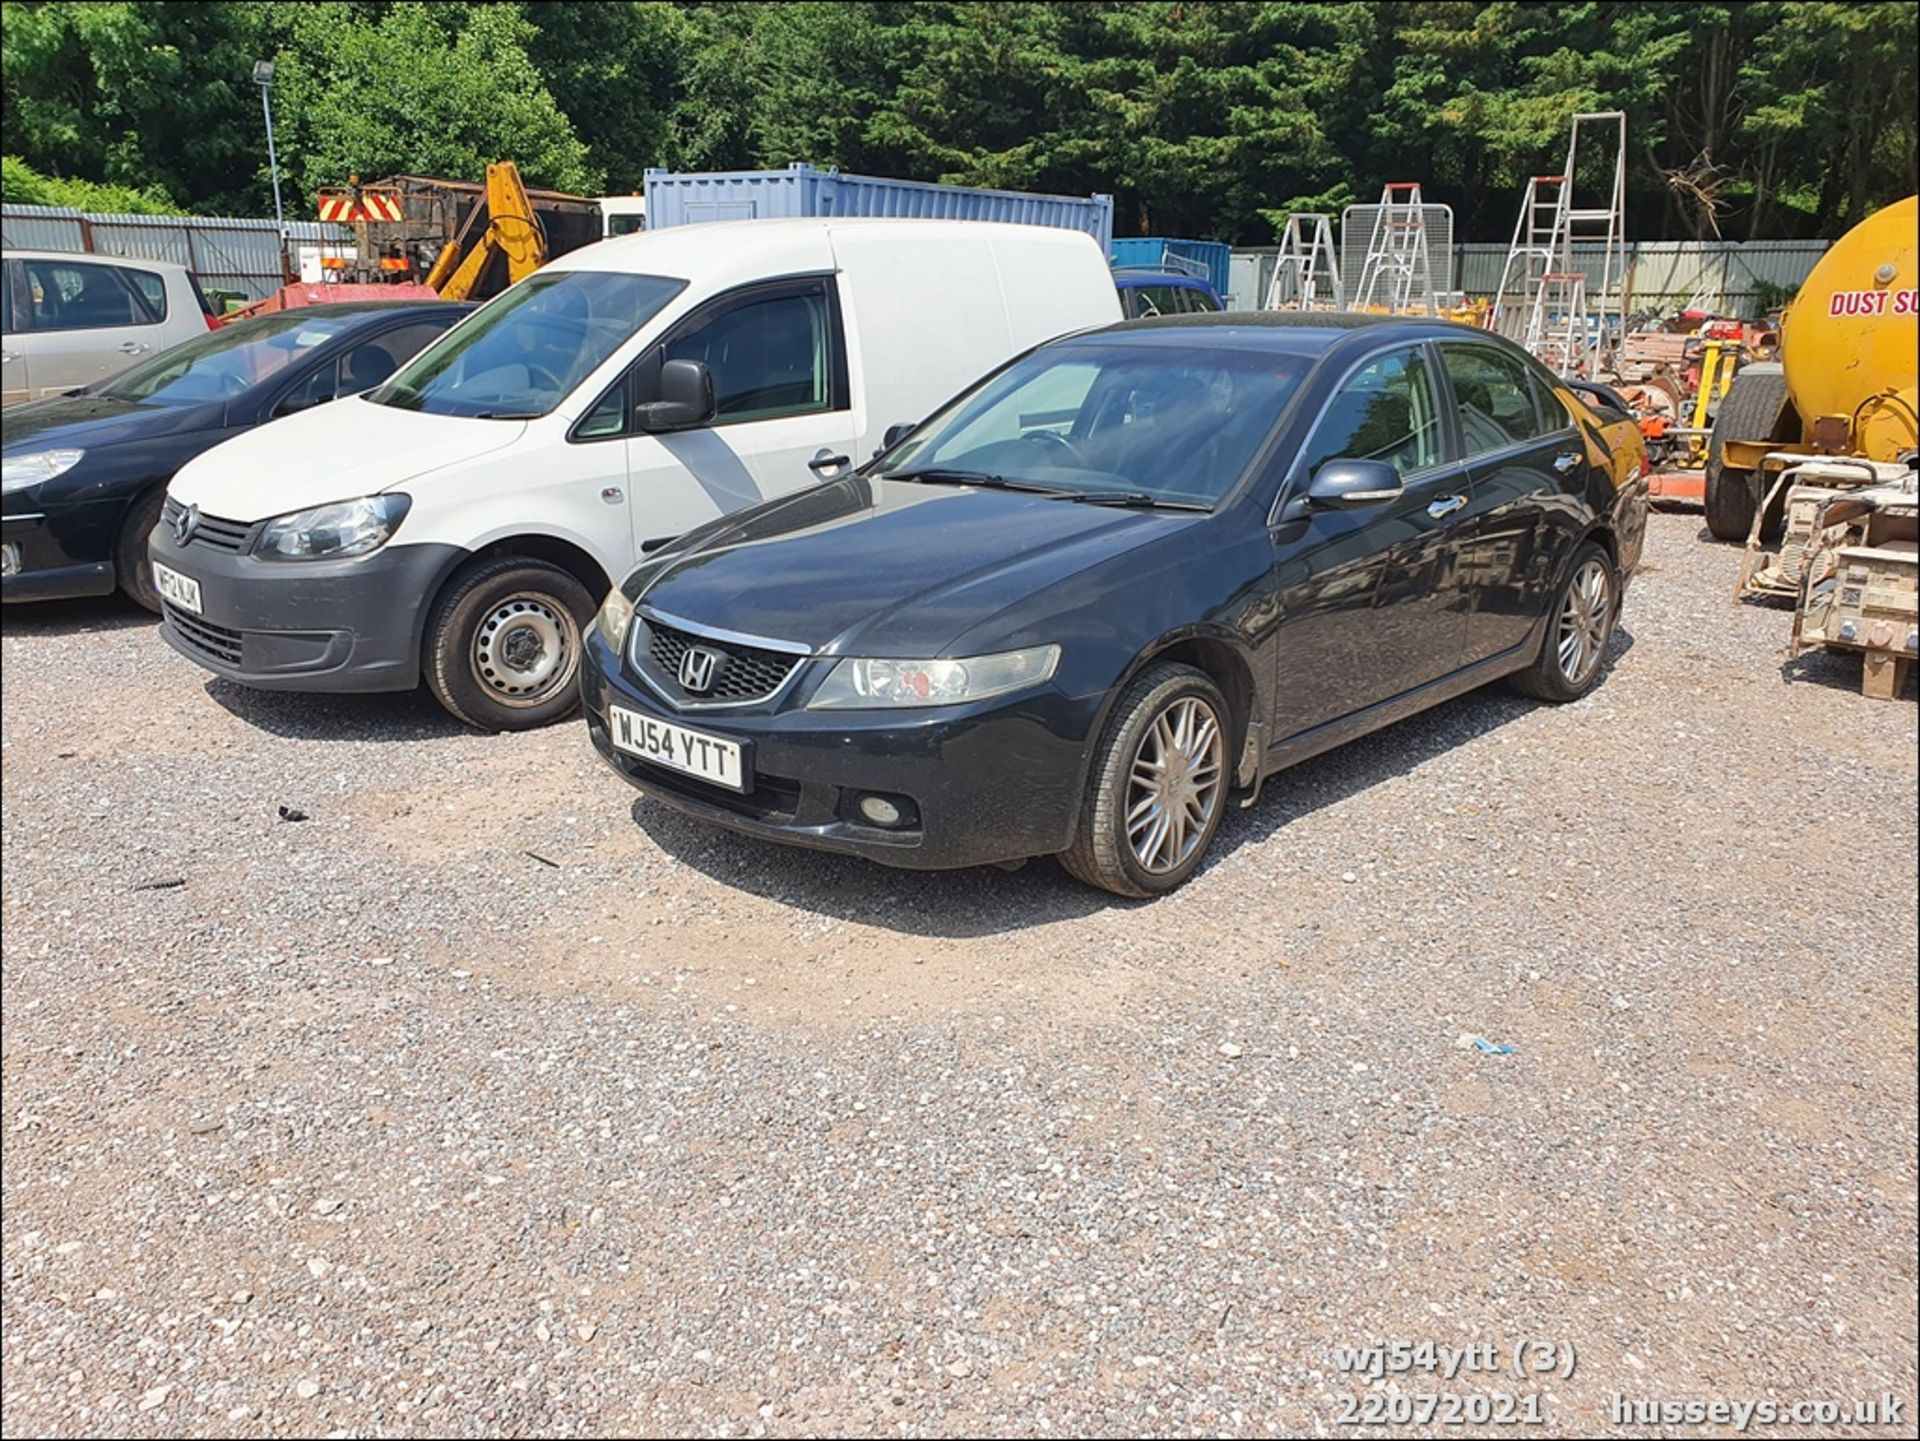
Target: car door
{"points": [[86, 323], [1369, 600], [1523, 456], [14, 383], [783, 417]]}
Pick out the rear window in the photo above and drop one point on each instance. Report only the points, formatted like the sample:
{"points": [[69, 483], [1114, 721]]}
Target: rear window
{"points": [[150, 288]]}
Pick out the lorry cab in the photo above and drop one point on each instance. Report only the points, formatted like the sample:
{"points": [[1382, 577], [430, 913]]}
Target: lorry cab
{"points": [[462, 521]]}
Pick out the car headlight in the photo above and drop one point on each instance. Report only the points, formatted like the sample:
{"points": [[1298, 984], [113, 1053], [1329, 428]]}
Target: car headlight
{"points": [[614, 619], [17, 472], [334, 531], [859, 684]]}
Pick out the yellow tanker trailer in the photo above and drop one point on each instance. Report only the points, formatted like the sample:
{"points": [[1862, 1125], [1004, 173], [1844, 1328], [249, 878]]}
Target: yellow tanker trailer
{"points": [[1845, 383]]}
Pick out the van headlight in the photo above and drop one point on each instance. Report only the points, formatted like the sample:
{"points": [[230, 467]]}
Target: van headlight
{"points": [[17, 472], [857, 684], [614, 619], [333, 531]]}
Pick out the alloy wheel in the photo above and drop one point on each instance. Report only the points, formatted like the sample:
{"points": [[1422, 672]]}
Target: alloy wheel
{"points": [[1175, 784], [1582, 635]]}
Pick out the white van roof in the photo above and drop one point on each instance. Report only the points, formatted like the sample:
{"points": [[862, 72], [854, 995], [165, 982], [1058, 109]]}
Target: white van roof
{"points": [[758, 248]]}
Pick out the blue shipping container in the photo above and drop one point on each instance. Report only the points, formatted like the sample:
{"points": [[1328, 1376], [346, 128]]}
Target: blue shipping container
{"points": [[801, 190], [1209, 260]]}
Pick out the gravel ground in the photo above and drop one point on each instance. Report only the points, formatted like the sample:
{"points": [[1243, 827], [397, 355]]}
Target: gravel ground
{"points": [[488, 1099]]}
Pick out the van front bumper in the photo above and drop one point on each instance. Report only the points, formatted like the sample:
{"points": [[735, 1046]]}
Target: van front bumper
{"points": [[307, 625], [997, 781]]}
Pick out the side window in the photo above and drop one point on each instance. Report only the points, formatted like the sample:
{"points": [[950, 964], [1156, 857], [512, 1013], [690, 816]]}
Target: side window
{"points": [[769, 356], [1385, 410], [365, 366], [316, 389], [70, 295], [1495, 399], [149, 289]]}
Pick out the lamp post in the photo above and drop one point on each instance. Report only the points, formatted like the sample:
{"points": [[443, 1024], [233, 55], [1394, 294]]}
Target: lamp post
{"points": [[263, 77]]}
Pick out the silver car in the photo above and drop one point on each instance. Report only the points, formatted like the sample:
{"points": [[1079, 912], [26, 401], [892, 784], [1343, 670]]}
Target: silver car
{"points": [[74, 319]]}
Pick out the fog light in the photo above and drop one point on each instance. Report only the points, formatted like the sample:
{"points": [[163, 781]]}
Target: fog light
{"points": [[880, 810], [9, 559]]}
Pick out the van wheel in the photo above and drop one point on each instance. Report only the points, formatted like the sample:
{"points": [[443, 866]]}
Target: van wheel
{"points": [[503, 644], [131, 567], [1157, 787], [1579, 628]]}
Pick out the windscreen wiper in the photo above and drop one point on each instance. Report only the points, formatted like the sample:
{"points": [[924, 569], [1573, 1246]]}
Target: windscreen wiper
{"points": [[508, 415], [946, 475], [1132, 499]]}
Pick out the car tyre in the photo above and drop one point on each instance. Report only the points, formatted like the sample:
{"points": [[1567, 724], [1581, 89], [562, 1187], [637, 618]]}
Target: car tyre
{"points": [[504, 641], [1158, 785], [1579, 628], [131, 565]]}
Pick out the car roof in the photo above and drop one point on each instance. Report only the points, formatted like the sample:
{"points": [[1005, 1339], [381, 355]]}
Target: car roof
{"points": [[92, 256], [723, 251], [1283, 331]]}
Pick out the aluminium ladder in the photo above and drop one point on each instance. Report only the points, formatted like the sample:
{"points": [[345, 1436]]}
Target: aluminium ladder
{"points": [[1397, 275], [1552, 221], [1306, 274]]}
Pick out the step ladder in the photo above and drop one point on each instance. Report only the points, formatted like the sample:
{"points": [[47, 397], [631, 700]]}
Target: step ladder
{"points": [[1397, 275], [1306, 274], [1560, 332], [1584, 206]]}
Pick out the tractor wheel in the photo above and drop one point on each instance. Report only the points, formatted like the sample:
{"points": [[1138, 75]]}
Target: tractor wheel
{"points": [[1752, 409]]}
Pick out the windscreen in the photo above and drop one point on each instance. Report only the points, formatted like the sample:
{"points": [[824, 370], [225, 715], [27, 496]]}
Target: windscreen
{"points": [[523, 352], [225, 362], [1178, 424]]}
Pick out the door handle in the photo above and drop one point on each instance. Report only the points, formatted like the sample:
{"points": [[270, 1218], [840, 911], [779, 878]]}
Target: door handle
{"points": [[131, 347], [825, 460], [1441, 509], [1565, 463]]}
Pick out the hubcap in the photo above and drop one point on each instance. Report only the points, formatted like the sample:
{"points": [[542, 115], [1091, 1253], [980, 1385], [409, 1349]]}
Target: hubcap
{"points": [[1583, 622], [1174, 785], [525, 649]]}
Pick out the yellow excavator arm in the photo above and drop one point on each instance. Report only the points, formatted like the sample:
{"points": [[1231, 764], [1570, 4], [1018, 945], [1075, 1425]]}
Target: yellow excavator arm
{"points": [[512, 229]]}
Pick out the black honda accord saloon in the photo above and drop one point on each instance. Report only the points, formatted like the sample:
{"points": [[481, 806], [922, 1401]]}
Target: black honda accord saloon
{"points": [[1131, 573]]}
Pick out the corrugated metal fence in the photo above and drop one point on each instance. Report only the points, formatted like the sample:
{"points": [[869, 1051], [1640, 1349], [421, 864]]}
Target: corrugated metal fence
{"points": [[238, 255], [1730, 278]]}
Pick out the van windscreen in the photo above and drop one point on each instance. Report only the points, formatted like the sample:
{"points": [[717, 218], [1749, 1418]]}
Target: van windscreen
{"points": [[521, 354]]}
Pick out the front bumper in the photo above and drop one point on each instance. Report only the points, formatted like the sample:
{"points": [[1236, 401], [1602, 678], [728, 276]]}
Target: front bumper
{"points": [[999, 781], [325, 625], [61, 554]]}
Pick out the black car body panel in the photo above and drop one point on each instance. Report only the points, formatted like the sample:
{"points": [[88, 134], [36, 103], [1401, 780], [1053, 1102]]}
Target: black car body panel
{"points": [[68, 529], [1318, 624]]}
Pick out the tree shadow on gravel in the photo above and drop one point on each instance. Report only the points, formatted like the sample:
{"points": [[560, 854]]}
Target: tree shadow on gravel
{"points": [[54, 618], [985, 900], [297, 715]]}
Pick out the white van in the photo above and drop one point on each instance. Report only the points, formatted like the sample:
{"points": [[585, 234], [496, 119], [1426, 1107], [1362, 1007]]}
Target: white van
{"points": [[464, 520]]}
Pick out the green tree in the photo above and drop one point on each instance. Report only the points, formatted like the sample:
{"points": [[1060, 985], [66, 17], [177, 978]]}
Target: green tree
{"points": [[437, 90], [614, 69]]}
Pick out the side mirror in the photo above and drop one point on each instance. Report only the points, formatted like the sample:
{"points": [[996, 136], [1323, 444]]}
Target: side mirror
{"points": [[1345, 484], [686, 398], [896, 433]]}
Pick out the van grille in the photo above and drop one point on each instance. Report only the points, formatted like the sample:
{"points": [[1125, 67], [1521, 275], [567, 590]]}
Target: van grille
{"points": [[203, 635], [748, 673], [209, 530]]}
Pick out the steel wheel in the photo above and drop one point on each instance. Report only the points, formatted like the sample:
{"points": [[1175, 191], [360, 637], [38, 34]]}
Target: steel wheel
{"points": [[1175, 784], [525, 649], [1582, 635]]}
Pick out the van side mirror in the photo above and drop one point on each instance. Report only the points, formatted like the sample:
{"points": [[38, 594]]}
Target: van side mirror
{"points": [[896, 433], [686, 398], [1345, 484]]}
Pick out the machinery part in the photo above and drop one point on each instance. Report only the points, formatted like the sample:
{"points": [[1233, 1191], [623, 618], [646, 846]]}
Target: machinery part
{"points": [[512, 229], [1755, 407], [1574, 641], [1860, 588], [1848, 341]]}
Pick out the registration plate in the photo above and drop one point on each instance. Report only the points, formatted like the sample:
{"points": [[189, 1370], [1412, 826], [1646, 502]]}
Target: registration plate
{"points": [[690, 752], [182, 590]]}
